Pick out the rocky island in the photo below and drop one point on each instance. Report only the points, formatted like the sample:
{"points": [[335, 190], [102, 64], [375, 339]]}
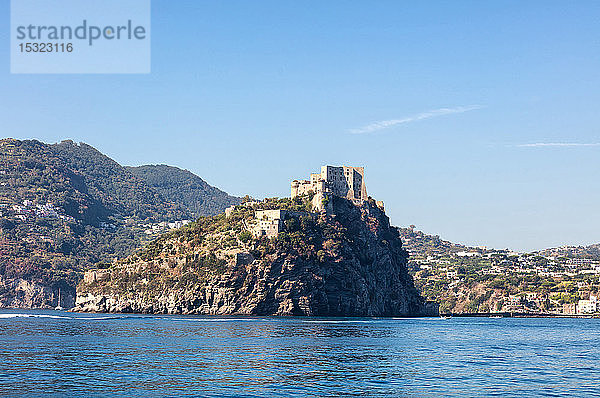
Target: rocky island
{"points": [[329, 250]]}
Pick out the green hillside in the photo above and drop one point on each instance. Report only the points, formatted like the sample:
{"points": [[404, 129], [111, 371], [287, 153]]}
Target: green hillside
{"points": [[66, 207], [479, 279], [183, 187]]}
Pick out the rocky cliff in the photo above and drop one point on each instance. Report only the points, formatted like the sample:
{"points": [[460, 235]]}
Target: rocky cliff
{"points": [[25, 293], [348, 262]]}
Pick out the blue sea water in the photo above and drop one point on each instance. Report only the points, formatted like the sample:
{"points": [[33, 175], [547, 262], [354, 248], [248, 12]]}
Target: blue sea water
{"points": [[54, 353]]}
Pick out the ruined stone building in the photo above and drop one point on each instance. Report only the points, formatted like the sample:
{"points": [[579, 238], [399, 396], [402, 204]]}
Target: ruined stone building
{"points": [[270, 222]]}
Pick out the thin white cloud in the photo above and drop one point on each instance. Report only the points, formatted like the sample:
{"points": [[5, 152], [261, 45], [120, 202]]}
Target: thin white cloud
{"points": [[384, 124], [557, 144]]}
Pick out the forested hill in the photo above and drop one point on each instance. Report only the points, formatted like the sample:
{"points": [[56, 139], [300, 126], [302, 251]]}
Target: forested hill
{"points": [[123, 193], [183, 187], [66, 207]]}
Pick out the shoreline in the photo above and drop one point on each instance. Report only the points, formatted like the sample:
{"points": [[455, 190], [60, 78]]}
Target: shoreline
{"points": [[518, 315], [447, 315]]}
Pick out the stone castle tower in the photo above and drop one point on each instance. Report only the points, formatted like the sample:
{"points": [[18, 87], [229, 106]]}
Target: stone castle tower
{"points": [[343, 181]]}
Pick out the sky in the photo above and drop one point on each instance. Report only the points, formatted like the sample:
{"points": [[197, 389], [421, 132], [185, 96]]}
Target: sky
{"points": [[476, 121]]}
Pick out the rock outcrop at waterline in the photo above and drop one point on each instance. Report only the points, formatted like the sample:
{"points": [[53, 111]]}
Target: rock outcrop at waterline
{"points": [[348, 262], [25, 293]]}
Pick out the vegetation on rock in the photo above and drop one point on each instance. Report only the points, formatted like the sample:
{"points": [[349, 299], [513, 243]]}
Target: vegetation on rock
{"points": [[348, 263]]}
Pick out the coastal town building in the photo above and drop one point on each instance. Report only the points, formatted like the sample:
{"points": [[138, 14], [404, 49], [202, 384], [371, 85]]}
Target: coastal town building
{"points": [[570, 308], [468, 254], [579, 262], [588, 306], [582, 307], [156, 228]]}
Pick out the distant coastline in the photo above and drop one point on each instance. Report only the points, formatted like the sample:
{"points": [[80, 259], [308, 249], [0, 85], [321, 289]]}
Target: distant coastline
{"points": [[516, 315]]}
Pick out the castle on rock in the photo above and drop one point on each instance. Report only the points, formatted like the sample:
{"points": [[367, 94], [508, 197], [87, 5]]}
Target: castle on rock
{"points": [[343, 181]]}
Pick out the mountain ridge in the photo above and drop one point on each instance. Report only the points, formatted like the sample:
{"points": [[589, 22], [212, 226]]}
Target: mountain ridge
{"points": [[184, 187]]}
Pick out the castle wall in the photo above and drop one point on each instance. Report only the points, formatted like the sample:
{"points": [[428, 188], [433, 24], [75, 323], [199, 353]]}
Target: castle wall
{"points": [[346, 182], [303, 187], [270, 222], [343, 181]]}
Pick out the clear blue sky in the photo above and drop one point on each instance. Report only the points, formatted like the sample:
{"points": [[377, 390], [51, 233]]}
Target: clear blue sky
{"points": [[250, 95]]}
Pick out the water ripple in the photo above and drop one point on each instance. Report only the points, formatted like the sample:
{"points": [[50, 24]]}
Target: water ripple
{"points": [[64, 354]]}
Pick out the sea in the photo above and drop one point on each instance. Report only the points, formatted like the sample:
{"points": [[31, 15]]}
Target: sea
{"points": [[52, 353]]}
